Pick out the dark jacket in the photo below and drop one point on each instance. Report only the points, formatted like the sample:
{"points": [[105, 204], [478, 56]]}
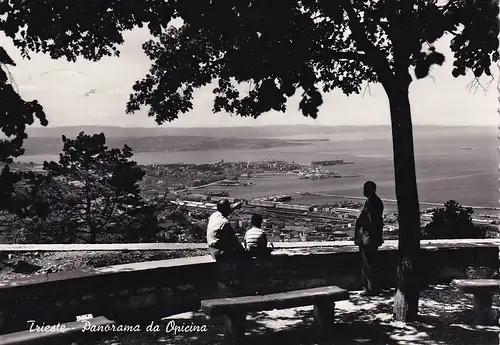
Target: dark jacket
{"points": [[369, 225]]}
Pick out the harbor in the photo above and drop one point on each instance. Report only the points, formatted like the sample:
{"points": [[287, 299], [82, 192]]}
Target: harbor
{"points": [[330, 162], [390, 200]]}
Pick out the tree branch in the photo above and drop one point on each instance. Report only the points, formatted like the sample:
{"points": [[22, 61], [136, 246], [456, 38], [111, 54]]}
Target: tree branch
{"points": [[108, 215], [347, 55], [374, 56], [367, 89], [475, 84], [403, 38]]}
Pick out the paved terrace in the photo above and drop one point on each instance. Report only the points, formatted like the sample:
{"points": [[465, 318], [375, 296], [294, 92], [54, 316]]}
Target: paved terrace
{"points": [[361, 320]]}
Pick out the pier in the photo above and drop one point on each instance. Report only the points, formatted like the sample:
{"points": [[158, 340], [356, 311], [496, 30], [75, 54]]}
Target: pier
{"points": [[392, 200]]}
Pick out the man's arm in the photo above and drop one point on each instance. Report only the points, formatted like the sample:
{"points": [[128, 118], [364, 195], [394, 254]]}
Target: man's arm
{"points": [[264, 239], [380, 208], [375, 211], [358, 222], [230, 237]]}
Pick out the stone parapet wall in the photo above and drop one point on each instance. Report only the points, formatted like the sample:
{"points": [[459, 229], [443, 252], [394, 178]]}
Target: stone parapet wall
{"points": [[54, 247], [150, 290]]}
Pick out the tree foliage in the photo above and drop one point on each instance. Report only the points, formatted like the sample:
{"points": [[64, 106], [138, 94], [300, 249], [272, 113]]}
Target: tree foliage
{"points": [[313, 46], [93, 190], [7, 180], [103, 182], [141, 223], [453, 222], [277, 47], [15, 113], [35, 211]]}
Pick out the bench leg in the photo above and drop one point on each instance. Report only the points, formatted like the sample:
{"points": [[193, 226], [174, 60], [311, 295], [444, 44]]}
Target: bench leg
{"points": [[324, 315], [483, 313], [234, 330]]}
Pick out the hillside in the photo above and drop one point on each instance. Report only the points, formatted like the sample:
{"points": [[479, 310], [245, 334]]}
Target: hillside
{"points": [[221, 132], [53, 145], [226, 132], [48, 140]]}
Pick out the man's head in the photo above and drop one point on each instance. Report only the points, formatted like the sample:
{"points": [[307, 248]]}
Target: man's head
{"points": [[224, 207], [256, 220], [369, 188]]}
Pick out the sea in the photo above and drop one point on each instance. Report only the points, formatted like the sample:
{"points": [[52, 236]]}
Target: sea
{"points": [[452, 163]]}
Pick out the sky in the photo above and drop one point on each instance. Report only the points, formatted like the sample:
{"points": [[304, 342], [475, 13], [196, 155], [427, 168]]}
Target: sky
{"points": [[64, 90]]}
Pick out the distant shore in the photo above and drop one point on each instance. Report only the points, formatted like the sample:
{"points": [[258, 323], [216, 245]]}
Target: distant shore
{"points": [[444, 170]]}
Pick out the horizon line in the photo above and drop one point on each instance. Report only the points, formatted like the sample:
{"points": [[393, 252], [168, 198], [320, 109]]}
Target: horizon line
{"points": [[256, 126]]}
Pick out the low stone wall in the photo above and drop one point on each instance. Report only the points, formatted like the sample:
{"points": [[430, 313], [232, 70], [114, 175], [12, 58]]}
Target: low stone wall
{"points": [[150, 290], [55, 247]]}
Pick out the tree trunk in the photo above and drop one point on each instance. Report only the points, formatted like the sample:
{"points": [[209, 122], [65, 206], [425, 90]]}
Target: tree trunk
{"points": [[88, 214], [91, 224], [407, 289], [93, 235]]}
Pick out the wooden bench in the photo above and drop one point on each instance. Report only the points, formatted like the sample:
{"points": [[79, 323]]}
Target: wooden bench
{"points": [[482, 291], [235, 309]]}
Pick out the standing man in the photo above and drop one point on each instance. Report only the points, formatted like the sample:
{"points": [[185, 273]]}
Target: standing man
{"points": [[223, 244], [368, 236]]}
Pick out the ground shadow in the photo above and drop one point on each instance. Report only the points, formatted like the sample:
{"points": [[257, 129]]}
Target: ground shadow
{"points": [[362, 320]]}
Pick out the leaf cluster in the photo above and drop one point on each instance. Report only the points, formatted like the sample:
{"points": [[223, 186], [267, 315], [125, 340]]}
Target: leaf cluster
{"points": [[276, 48], [257, 52], [453, 222], [15, 113]]}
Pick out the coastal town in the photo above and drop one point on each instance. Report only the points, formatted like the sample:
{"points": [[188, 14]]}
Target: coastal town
{"points": [[194, 189], [197, 188]]}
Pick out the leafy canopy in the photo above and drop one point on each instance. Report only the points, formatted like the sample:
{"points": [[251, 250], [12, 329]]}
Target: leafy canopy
{"points": [[15, 113], [274, 47], [313, 45]]}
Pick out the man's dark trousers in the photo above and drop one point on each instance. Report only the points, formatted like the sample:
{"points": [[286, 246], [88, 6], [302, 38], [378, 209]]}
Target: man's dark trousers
{"points": [[370, 269], [232, 255]]}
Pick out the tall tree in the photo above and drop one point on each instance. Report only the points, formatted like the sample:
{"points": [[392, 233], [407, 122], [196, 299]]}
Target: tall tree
{"points": [[103, 182], [317, 46], [278, 47]]}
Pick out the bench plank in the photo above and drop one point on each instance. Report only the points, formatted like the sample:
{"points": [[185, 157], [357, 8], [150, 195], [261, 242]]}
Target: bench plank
{"points": [[482, 291], [477, 285], [235, 309], [282, 300]]}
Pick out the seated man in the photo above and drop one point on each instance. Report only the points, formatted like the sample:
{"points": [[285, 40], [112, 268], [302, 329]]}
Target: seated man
{"points": [[256, 239], [223, 244]]}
